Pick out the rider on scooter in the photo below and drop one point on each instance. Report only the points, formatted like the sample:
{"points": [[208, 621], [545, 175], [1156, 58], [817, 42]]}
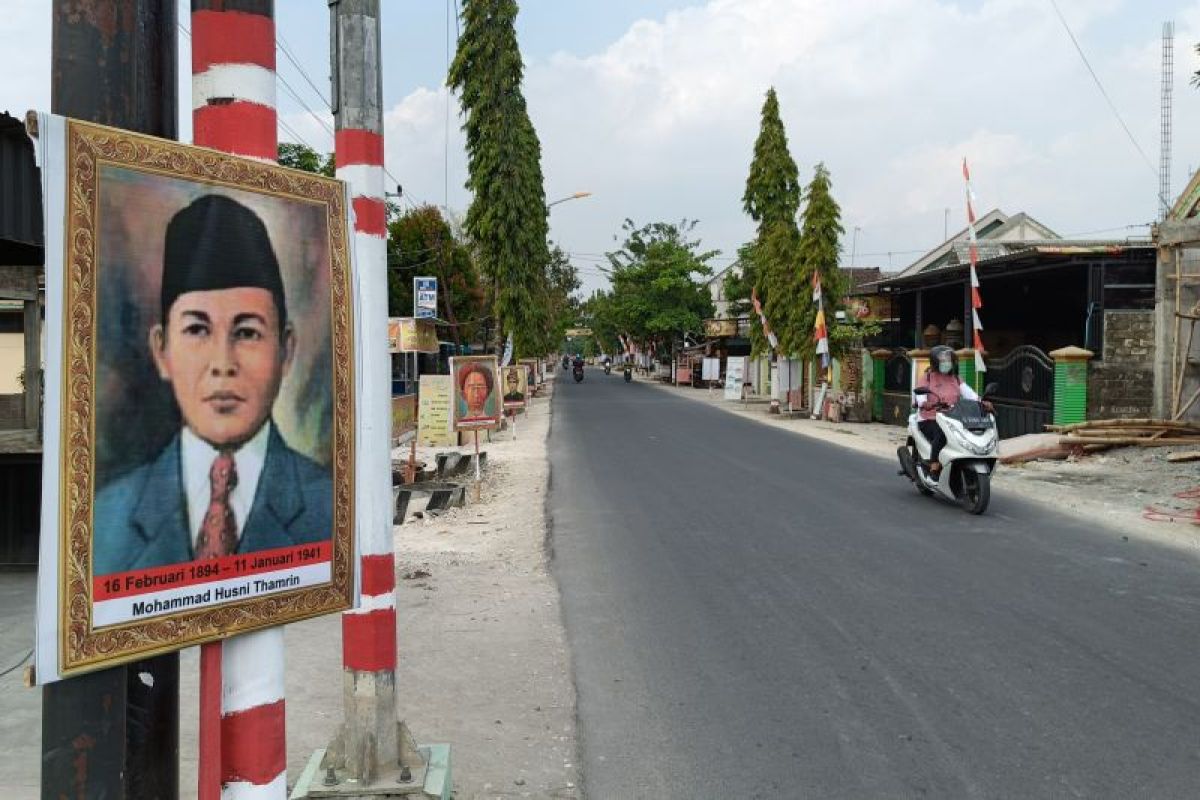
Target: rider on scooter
{"points": [[945, 389]]}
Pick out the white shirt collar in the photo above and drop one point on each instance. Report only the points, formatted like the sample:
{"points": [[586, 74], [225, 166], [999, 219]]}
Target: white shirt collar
{"points": [[197, 457]]}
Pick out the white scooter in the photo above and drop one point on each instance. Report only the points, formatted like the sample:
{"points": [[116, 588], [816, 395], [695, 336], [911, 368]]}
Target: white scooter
{"points": [[968, 457]]}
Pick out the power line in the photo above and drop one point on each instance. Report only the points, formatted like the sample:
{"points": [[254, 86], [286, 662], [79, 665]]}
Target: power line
{"points": [[405, 197], [1112, 106], [296, 97], [283, 47]]}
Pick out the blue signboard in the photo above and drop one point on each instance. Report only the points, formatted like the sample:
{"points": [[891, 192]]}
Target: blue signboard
{"points": [[425, 298]]}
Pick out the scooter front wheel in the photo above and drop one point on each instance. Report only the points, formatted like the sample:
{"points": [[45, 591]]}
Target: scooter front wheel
{"points": [[976, 491]]}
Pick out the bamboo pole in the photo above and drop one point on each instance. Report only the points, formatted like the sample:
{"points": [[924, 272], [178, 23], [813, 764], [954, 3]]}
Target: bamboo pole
{"points": [[1176, 378], [1182, 363], [1142, 422], [1129, 441]]}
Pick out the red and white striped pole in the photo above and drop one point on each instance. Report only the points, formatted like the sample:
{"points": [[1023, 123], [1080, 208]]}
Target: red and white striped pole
{"points": [[973, 253], [243, 753], [368, 631]]}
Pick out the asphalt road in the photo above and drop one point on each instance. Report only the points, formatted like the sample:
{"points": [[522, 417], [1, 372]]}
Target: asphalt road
{"points": [[756, 614]]}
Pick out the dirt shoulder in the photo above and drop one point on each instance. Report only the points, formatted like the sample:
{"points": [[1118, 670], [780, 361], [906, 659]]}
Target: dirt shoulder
{"points": [[484, 663], [1113, 489]]}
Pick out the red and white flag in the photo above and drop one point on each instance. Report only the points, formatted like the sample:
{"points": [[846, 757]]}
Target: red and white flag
{"points": [[973, 250], [763, 318], [820, 334]]}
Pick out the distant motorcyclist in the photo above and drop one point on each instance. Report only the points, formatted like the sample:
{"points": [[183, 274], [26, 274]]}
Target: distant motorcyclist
{"points": [[945, 389]]}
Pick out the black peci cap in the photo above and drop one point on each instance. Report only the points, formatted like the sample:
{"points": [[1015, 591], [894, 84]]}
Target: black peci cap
{"points": [[218, 243]]}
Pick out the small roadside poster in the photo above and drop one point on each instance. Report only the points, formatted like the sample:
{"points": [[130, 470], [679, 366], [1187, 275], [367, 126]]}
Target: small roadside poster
{"points": [[516, 386], [433, 412], [477, 401], [735, 374]]}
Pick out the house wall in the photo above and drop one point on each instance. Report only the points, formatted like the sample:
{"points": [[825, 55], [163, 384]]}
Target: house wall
{"points": [[1121, 385], [12, 361]]}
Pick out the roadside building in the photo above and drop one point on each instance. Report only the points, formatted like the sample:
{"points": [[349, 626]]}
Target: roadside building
{"points": [[1040, 293], [21, 260]]}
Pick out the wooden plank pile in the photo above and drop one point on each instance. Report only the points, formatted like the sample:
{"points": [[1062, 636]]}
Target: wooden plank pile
{"points": [[1102, 434]]}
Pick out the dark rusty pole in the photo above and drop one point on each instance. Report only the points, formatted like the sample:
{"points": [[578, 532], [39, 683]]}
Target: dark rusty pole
{"points": [[114, 733]]}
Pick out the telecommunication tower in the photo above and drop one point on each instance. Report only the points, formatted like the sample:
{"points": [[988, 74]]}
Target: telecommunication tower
{"points": [[1164, 146]]}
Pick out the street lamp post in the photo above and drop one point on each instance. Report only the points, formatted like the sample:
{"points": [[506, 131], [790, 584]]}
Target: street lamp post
{"points": [[576, 196]]}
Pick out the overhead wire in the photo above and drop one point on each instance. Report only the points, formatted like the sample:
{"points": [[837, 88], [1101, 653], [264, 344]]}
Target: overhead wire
{"points": [[1104, 92]]}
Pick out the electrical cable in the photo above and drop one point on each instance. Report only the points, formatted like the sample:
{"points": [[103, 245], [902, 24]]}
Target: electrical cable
{"points": [[24, 658], [283, 46], [1112, 106]]}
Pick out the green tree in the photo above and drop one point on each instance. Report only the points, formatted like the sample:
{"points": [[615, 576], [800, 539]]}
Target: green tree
{"points": [[820, 233], [507, 220], [562, 308], [655, 296], [420, 242], [301, 156], [738, 282], [769, 263]]}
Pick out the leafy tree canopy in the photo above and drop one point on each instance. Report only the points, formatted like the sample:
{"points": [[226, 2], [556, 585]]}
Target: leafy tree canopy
{"points": [[303, 157], [655, 296], [507, 220]]}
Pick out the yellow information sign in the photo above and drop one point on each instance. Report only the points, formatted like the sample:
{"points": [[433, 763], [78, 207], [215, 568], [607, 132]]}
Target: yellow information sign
{"points": [[433, 415], [417, 336]]}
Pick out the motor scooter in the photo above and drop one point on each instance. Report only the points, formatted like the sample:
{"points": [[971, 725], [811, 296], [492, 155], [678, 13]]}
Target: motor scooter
{"points": [[628, 373], [577, 373], [968, 458], [607, 368]]}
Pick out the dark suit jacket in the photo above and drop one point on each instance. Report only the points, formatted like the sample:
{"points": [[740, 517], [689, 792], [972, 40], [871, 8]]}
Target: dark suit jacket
{"points": [[140, 519]]}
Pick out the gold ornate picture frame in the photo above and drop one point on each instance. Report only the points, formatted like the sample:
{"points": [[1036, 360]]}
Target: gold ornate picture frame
{"points": [[91, 153]]}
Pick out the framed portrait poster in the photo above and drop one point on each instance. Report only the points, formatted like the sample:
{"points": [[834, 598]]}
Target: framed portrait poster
{"points": [[476, 390], [199, 437], [515, 385], [532, 366]]}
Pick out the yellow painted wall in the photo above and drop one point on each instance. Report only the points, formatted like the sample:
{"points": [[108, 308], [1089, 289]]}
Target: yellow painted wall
{"points": [[12, 361]]}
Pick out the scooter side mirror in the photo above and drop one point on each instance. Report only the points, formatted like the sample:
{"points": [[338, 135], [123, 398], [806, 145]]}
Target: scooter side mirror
{"points": [[921, 390], [991, 389]]}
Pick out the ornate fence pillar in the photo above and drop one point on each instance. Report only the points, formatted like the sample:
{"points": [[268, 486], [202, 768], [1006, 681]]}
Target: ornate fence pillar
{"points": [[1070, 384]]}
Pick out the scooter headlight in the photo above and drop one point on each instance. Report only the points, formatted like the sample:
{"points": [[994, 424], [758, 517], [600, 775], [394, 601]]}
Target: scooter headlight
{"points": [[971, 446]]}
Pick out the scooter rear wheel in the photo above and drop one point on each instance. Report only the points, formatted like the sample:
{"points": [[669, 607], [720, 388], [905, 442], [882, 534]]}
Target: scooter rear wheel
{"points": [[976, 491]]}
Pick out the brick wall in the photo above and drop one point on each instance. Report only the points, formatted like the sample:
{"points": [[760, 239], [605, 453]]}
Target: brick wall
{"points": [[1121, 384], [12, 412]]}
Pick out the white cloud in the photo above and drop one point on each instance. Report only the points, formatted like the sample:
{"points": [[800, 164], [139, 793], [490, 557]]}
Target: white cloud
{"points": [[890, 94]]}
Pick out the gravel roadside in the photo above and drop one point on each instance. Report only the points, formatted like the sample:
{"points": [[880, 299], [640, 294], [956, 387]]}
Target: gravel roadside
{"points": [[484, 663]]}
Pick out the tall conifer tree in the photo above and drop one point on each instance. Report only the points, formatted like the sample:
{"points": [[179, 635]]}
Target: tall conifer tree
{"points": [[772, 199], [820, 233], [507, 220]]}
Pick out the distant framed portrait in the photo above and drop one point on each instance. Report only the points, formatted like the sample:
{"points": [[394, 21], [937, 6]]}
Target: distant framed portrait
{"points": [[203, 378], [533, 377], [515, 385], [477, 402]]}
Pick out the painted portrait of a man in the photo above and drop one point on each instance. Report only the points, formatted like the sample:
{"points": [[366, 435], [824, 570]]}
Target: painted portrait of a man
{"points": [[515, 384], [226, 481], [476, 395]]}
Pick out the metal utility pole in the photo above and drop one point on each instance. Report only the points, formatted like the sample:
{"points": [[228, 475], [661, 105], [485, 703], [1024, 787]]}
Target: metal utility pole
{"points": [[374, 749], [114, 733]]}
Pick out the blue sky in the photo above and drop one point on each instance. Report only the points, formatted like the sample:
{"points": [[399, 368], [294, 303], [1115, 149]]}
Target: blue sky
{"points": [[653, 106]]}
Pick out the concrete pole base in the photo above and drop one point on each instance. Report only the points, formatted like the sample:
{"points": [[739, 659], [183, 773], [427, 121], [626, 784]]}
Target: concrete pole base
{"points": [[431, 781]]}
